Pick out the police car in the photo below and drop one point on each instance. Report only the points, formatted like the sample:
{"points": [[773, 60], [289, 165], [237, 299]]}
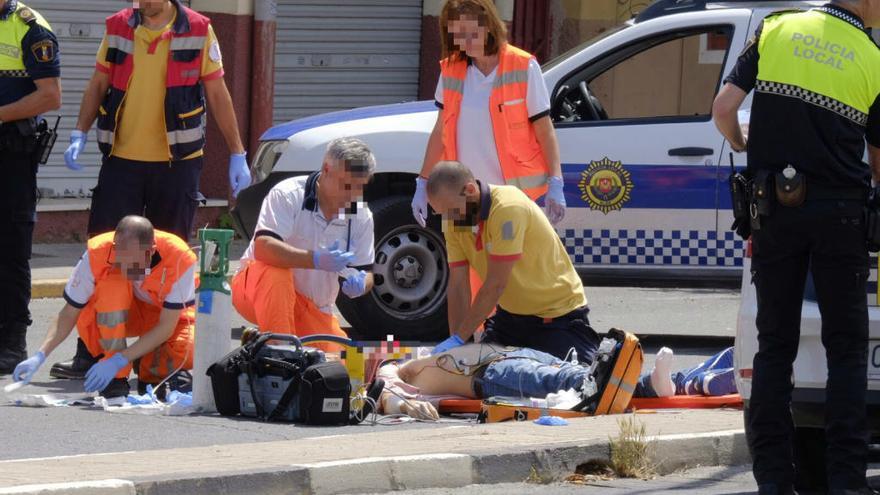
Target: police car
{"points": [[644, 166]]}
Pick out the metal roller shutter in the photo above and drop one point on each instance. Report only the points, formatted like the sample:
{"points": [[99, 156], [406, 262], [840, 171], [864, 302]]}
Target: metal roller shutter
{"points": [[79, 25], [341, 54]]}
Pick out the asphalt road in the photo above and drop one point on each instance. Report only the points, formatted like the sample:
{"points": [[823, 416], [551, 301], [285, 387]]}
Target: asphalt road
{"points": [[49, 432], [721, 480]]}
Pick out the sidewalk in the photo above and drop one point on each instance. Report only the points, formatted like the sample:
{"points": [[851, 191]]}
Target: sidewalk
{"points": [[52, 265], [384, 459]]}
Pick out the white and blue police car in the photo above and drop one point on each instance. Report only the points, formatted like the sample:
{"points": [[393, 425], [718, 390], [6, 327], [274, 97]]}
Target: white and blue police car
{"points": [[645, 169]]}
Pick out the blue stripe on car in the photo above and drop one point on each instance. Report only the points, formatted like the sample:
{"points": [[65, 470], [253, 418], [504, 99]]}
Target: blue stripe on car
{"points": [[285, 131], [680, 187]]}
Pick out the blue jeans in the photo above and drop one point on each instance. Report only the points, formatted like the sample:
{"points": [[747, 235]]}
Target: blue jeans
{"points": [[690, 381], [528, 373]]}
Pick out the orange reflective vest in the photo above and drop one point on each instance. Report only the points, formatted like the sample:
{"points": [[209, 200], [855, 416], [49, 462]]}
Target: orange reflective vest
{"points": [[522, 161], [184, 95], [174, 259]]}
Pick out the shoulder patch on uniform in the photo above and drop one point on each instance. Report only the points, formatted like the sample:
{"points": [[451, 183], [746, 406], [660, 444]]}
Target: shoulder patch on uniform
{"points": [[214, 52], [44, 51], [26, 14], [507, 231]]}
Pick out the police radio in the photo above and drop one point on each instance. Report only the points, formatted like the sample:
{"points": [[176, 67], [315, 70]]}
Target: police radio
{"points": [[46, 140], [739, 197]]}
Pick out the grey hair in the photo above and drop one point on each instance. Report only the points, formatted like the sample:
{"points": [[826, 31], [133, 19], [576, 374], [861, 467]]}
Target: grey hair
{"points": [[352, 152]]}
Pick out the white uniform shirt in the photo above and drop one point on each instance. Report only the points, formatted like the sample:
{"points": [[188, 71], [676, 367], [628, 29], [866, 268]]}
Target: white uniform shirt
{"points": [[476, 138], [81, 286], [290, 213]]}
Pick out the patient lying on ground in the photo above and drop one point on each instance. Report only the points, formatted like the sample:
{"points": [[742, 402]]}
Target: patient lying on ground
{"points": [[479, 371]]}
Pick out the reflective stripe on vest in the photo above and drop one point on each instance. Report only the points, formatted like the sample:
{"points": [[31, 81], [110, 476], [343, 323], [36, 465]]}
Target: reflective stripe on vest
{"points": [[184, 94], [113, 345], [120, 43], [522, 161], [188, 43], [112, 318], [11, 35], [819, 59]]}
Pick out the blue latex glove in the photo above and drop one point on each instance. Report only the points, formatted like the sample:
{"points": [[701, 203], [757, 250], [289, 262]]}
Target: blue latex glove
{"points": [[102, 372], [26, 369], [551, 421], [420, 201], [331, 259], [355, 285], [77, 145], [450, 343], [239, 174], [554, 203]]}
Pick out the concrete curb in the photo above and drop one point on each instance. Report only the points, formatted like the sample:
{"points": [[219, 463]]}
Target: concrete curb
{"points": [[47, 289], [383, 474]]}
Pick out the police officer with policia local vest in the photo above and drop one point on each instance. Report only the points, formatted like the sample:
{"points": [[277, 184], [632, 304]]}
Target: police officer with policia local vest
{"points": [[816, 81], [29, 86], [157, 67]]}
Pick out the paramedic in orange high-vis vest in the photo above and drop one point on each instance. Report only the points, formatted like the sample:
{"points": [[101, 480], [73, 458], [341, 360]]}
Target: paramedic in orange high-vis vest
{"points": [[134, 282], [494, 110], [158, 73]]}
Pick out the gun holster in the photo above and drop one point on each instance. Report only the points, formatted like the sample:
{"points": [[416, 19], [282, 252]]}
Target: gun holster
{"points": [[762, 198], [740, 188]]}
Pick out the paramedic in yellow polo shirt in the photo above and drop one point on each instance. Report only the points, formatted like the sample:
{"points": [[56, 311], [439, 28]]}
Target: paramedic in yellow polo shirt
{"points": [[530, 282], [156, 66]]}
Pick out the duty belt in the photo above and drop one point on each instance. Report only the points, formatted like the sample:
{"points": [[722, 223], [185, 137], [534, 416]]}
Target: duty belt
{"points": [[815, 192]]}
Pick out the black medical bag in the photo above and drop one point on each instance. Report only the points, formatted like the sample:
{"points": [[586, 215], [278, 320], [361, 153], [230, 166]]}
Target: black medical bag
{"points": [[281, 382]]}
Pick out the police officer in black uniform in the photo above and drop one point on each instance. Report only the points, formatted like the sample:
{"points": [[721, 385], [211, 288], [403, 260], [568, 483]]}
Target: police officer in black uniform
{"points": [[816, 82], [29, 86]]}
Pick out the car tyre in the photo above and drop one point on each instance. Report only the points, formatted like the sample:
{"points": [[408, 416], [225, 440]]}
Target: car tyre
{"points": [[410, 274]]}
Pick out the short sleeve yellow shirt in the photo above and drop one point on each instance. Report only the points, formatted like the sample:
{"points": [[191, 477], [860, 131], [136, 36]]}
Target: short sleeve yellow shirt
{"points": [[544, 282], [141, 132]]}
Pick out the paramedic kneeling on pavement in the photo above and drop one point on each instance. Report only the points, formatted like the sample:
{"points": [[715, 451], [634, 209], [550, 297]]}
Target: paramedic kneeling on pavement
{"points": [[813, 108], [311, 230], [134, 282], [530, 282]]}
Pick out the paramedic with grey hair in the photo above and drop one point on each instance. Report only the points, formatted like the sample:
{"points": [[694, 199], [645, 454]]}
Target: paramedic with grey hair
{"points": [[313, 231]]}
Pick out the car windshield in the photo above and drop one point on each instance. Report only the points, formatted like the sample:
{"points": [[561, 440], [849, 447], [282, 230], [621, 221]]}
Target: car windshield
{"points": [[556, 61]]}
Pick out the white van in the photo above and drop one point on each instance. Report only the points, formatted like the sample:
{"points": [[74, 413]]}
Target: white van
{"points": [[645, 169]]}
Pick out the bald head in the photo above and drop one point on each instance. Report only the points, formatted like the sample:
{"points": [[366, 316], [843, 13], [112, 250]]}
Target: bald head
{"points": [[134, 228], [449, 177], [453, 192]]}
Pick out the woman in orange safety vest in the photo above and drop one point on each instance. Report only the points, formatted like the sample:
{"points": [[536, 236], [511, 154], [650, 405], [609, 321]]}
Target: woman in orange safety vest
{"points": [[494, 110]]}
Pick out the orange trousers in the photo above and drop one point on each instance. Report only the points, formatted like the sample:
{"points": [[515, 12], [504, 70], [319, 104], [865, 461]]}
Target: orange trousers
{"points": [[114, 314], [266, 295]]}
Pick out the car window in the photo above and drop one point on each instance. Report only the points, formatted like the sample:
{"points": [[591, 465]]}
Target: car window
{"points": [[574, 51], [672, 76]]}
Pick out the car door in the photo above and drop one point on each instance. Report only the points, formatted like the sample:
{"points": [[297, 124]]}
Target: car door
{"points": [[641, 159]]}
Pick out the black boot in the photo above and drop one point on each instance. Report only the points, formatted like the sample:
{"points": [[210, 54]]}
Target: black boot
{"points": [[76, 368], [13, 346], [118, 387]]}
